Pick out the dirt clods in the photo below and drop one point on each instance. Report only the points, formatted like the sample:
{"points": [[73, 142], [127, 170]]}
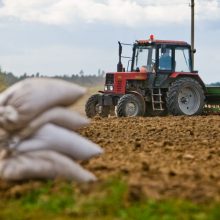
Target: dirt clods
{"points": [[166, 157], [159, 157]]}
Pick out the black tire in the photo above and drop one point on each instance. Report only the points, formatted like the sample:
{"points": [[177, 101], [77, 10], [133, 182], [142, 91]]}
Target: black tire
{"points": [[185, 96], [129, 106], [92, 107]]}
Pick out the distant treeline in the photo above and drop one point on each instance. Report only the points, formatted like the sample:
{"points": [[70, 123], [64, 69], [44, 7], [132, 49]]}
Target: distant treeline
{"points": [[215, 84], [8, 78]]}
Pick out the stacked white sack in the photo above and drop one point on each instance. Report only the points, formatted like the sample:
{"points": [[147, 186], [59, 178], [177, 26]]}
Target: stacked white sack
{"points": [[25, 100], [37, 139]]}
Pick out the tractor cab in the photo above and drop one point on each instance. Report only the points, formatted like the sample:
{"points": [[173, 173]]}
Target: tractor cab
{"points": [[161, 56]]}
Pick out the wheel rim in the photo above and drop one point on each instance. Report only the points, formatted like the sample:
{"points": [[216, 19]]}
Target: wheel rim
{"points": [[98, 109], [189, 100], [131, 109]]}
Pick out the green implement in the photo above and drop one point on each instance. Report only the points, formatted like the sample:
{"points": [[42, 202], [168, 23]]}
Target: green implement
{"points": [[213, 95], [212, 100]]}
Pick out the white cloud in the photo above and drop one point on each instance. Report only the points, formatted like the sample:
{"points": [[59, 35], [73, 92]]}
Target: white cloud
{"points": [[209, 10], [126, 12]]}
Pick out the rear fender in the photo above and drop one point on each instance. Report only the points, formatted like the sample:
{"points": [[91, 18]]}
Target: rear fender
{"points": [[140, 97], [193, 75]]}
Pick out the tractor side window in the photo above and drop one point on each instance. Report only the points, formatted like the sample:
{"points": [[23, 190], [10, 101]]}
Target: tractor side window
{"points": [[165, 58], [145, 58], [182, 57]]}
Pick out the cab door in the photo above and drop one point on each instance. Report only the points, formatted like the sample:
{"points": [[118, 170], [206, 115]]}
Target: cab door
{"points": [[165, 64]]}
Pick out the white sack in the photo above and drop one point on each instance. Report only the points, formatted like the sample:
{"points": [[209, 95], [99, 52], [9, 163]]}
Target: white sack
{"points": [[42, 165], [58, 116], [30, 97], [52, 137]]}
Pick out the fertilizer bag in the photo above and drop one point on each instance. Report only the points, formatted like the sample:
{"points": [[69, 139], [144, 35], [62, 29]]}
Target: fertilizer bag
{"points": [[52, 137], [42, 165], [26, 99], [58, 116]]}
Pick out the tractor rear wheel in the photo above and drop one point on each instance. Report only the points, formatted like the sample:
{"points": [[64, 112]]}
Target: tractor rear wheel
{"points": [[129, 106], [93, 108], [185, 97]]}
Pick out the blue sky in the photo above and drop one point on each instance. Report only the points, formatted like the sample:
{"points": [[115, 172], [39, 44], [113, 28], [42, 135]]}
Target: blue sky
{"points": [[56, 37]]}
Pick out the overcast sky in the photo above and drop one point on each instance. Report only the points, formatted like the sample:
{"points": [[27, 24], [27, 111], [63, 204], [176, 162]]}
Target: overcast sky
{"points": [[56, 37]]}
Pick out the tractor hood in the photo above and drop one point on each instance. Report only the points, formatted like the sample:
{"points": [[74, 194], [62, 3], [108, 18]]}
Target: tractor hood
{"points": [[116, 82]]}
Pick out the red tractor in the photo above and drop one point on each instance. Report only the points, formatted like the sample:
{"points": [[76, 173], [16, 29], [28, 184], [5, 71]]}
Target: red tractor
{"points": [[161, 81]]}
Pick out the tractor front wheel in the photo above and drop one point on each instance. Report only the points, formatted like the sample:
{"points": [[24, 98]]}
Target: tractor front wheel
{"points": [[129, 106], [185, 97], [93, 108]]}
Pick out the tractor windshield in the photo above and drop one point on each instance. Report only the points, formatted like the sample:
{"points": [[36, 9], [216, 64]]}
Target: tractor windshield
{"points": [[144, 58]]}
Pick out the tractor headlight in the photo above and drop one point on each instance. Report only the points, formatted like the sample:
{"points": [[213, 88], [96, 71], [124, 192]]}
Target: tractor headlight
{"points": [[111, 88]]}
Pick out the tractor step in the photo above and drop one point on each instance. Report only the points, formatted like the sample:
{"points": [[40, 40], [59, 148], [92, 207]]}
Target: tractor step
{"points": [[156, 97]]}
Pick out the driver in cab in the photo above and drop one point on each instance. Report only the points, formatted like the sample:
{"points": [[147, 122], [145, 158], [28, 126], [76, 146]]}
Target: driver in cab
{"points": [[165, 60]]}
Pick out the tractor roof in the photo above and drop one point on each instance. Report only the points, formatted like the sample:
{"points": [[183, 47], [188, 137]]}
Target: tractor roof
{"points": [[169, 42]]}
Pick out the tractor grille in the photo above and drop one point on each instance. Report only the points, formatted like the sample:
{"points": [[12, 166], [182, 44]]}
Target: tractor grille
{"points": [[119, 86], [109, 80]]}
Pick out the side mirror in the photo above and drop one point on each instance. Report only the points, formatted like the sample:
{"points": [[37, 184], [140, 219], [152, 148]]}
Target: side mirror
{"points": [[193, 51]]}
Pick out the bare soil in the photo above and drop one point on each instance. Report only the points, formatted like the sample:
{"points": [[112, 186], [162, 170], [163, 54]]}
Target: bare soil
{"points": [[160, 157]]}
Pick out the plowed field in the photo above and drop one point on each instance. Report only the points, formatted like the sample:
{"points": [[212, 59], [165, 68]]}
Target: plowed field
{"points": [[160, 157]]}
